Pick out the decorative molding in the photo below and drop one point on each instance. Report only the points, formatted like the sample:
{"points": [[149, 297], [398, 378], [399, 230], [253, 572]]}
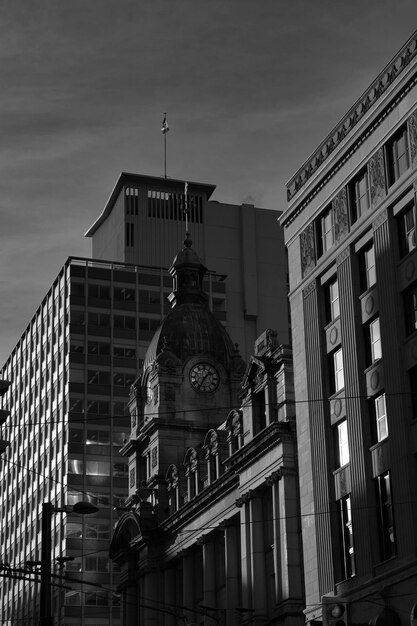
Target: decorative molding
{"points": [[307, 250], [340, 215], [307, 291], [353, 116], [377, 182], [412, 135]]}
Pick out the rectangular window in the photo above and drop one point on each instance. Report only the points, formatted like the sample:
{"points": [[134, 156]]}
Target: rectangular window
{"points": [[359, 195], [129, 234], [348, 564], [97, 468], [375, 340], [124, 352], [101, 292], [343, 443], [326, 231], [410, 306], [124, 321], [398, 155], [381, 418], [124, 294], [98, 348], [334, 300], [385, 517], [339, 378], [407, 230], [369, 272]]}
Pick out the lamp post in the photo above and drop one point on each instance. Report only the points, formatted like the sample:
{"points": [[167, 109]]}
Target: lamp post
{"points": [[84, 508]]}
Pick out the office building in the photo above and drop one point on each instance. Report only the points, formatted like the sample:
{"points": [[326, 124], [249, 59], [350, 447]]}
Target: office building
{"points": [[71, 372], [350, 231], [210, 531], [143, 223]]}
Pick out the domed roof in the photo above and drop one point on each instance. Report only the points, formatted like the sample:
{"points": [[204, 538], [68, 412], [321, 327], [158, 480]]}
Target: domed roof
{"points": [[190, 329]]}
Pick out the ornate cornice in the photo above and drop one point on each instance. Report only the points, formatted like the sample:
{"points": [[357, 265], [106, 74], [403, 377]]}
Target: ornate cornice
{"points": [[354, 115], [348, 122]]}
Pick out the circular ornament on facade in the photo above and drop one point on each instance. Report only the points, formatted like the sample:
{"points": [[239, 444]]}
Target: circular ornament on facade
{"points": [[333, 335], [374, 380], [337, 407], [410, 270], [369, 305], [204, 377]]}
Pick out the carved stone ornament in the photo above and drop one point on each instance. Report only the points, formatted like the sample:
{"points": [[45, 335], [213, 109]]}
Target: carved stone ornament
{"points": [[376, 172], [307, 250], [412, 134], [341, 215]]}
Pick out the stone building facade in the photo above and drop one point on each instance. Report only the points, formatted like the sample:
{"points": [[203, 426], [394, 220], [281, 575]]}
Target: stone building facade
{"points": [[350, 231], [210, 531]]}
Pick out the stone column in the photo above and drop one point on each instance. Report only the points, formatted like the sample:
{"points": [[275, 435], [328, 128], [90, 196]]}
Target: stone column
{"points": [[209, 578], [169, 595], [231, 553], [150, 598], [188, 584], [245, 550], [259, 598], [273, 482]]}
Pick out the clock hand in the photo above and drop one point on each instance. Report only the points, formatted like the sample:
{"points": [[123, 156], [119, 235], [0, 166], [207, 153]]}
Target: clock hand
{"points": [[203, 379]]}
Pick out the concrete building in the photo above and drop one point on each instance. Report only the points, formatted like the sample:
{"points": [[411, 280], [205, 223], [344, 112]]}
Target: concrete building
{"points": [[210, 531], [350, 231], [144, 221]]}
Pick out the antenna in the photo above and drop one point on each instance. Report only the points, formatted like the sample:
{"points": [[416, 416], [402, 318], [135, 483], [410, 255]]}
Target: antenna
{"points": [[186, 207], [164, 130]]}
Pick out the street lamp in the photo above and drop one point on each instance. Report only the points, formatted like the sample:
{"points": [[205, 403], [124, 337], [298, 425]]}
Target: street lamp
{"points": [[48, 509]]}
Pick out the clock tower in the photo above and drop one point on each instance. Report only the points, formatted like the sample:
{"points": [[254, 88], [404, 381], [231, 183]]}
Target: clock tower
{"points": [[189, 382]]}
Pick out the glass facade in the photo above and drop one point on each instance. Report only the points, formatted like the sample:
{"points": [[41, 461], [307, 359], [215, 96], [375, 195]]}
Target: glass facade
{"points": [[71, 372]]}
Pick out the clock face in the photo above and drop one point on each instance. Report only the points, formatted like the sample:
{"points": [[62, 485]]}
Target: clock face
{"points": [[204, 377]]}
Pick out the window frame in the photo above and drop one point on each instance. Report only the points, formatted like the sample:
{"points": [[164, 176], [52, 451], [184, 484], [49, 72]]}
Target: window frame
{"points": [[381, 418], [395, 158]]}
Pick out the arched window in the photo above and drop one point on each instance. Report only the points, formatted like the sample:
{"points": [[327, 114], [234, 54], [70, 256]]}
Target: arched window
{"points": [[173, 486], [192, 473], [234, 427]]}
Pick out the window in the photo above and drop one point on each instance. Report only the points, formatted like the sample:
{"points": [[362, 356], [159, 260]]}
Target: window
{"points": [[98, 438], [98, 348], [129, 234], [124, 321], [348, 564], [120, 470], [98, 407], [326, 231], [333, 300], [123, 379], [77, 289], [97, 564], [98, 319], [97, 531], [381, 418], [148, 324], [124, 294], [359, 195], [339, 378], [385, 517], [99, 291], [75, 466], [369, 273], [97, 468], [407, 230], [124, 352], [96, 598], [375, 340], [98, 377], [73, 530], [398, 155], [410, 306], [342, 444], [259, 411]]}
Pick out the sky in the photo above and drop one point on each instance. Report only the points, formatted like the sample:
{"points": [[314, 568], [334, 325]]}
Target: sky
{"points": [[250, 88]]}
